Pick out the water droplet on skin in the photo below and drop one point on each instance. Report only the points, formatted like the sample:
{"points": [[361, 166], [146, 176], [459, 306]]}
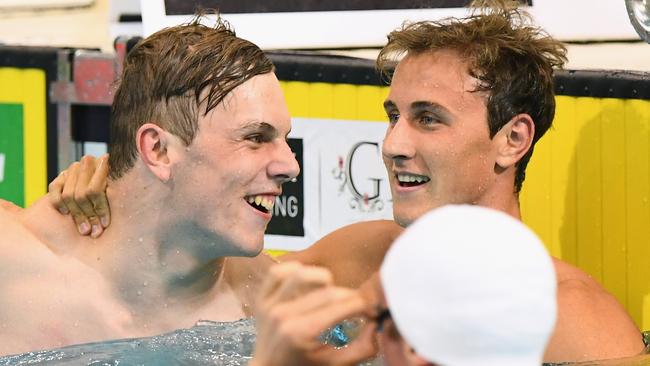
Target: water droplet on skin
{"points": [[145, 283], [165, 305], [139, 293], [140, 239]]}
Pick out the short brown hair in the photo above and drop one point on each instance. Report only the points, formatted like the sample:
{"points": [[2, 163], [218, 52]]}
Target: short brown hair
{"points": [[171, 76], [512, 60]]}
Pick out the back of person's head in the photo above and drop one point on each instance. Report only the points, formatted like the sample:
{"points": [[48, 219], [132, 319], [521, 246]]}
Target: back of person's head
{"points": [[469, 286], [173, 76], [512, 59]]}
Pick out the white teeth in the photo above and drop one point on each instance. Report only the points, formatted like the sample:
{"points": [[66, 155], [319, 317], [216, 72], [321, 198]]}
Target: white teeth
{"points": [[410, 178], [263, 201], [268, 204]]}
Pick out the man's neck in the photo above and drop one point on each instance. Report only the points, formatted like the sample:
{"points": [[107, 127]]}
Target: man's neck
{"points": [[501, 195], [155, 270], [151, 261]]}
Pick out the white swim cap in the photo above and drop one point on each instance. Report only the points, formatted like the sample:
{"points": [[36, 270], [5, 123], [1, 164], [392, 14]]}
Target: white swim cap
{"points": [[470, 286]]}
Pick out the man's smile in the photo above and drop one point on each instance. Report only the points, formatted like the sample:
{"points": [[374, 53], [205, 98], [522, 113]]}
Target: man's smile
{"points": [[263, 203], [410, 179]]}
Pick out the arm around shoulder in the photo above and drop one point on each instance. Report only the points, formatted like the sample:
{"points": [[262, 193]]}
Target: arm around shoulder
{"points": [[352, 253]]}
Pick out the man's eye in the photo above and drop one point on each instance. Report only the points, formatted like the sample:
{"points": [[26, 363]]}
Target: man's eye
{"points": [[428, 119], [256, 138], [393, 117]]}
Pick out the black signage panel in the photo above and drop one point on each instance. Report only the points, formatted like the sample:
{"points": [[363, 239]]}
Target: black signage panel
{"points": [[183, 7], [289, 208]]}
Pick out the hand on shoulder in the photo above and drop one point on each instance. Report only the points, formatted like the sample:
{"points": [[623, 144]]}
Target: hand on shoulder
{"points": [[80, 190]]}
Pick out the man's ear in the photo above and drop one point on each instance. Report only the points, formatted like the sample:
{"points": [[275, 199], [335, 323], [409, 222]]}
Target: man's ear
{"points": [[514, 140], [153, 145]]}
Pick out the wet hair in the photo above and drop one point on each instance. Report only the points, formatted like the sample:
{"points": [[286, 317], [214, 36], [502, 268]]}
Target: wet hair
{"points": [[512, 60], [172, 76]]}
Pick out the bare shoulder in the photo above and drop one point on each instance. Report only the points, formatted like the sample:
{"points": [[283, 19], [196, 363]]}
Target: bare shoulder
{"points": [[353, 253], [52, 229], [39, 291], [16, 240], [591, 324]]}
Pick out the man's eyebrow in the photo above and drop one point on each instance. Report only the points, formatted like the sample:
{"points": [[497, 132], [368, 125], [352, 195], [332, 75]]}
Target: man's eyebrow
{"points": [[263, 127], [418, 105], [388, 104], [421, 106], [431, 106]]}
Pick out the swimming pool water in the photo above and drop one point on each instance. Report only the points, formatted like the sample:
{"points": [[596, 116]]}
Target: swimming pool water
{"points": [[207, 343]]}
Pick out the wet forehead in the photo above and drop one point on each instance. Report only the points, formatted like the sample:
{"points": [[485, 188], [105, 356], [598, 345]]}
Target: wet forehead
{"points": [[259, 102], [440, 78]]}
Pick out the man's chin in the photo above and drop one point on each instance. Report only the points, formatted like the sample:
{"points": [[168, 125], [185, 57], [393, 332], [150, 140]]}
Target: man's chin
{"points": [[253, 248], [406, 217], [255, 252], [403, 220]]}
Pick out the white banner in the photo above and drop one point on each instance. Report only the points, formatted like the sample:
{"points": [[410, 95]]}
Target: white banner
{"points": [[574, 20], [343, 175]]}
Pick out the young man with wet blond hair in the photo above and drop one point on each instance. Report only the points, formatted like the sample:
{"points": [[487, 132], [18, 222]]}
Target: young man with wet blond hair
{"points": [[198, 131]]}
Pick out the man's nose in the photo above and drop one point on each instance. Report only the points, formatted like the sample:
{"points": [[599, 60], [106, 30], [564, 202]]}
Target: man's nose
{"points": [[398, 143], [284, 166]]}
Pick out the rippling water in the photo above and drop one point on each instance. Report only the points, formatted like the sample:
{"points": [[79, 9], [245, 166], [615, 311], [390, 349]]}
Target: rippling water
{"points": [[207, 343]]}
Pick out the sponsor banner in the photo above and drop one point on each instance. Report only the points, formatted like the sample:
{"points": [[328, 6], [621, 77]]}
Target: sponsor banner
{"points": [[327, 24], [12, 172], [23, 130], [342, 181]]}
